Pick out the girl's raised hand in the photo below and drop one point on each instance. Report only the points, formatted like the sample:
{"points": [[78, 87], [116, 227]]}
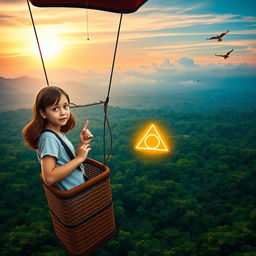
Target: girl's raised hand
{"points": [[85, 134], [82, 152]]}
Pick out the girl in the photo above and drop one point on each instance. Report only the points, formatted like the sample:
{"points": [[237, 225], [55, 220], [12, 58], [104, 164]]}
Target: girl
{"points": [[51, 120]]}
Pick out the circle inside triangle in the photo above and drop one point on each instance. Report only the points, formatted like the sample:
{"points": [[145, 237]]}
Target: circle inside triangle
{"points": [[151, 141]]}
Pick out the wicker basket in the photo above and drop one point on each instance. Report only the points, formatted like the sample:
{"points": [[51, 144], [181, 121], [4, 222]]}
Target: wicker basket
{"points": [[83, 217]]}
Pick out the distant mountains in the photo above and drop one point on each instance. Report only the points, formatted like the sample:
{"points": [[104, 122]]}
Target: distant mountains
{"points": [[194, 95], [20, 92]]}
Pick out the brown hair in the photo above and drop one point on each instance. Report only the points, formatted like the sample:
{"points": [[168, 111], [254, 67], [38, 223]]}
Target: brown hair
{"points": [[46, 97]]}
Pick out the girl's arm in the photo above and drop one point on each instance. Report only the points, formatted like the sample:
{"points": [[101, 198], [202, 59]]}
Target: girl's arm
{"points": [[52, 174]]}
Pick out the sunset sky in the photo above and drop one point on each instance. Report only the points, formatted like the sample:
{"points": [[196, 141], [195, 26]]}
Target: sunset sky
{"points": [[161, 33]]}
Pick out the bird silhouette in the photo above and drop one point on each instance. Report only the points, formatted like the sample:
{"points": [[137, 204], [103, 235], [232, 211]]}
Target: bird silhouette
{"points": [[224, 56], [219, 37]]}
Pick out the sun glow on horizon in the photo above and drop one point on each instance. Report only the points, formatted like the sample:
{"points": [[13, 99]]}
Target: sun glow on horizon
{"points": [[50, 46], [148, 37]]}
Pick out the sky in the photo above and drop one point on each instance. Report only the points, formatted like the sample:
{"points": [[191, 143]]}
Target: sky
{"points": [[162, 35]]}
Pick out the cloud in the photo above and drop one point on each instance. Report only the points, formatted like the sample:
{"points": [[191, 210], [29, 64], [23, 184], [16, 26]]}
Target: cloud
{"points": [[186, 62], [158, 30], [183, 72], [189, 82], [250, 25], [11, 1], [166, 64], [251, 49]]}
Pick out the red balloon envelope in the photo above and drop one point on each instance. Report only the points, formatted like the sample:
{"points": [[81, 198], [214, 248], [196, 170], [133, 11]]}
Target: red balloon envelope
{"points": [[119, 6]]}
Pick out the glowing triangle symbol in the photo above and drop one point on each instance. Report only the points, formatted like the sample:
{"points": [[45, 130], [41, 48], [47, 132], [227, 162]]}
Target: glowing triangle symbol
{"points": [[152, 141]]}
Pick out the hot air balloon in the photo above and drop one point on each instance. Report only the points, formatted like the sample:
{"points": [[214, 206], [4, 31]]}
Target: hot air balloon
{"points": [[83, 217]]}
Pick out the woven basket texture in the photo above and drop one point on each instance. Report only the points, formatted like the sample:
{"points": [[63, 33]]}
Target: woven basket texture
{"points": [[89, 235], [86, 219]]}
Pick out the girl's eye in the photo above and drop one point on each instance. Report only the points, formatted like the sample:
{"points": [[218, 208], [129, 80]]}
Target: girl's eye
{"points": [[66, 106], [55, 109]]}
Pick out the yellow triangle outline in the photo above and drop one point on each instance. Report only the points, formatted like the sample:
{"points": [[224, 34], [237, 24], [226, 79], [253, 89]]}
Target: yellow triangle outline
{"points": [[158, 137]]}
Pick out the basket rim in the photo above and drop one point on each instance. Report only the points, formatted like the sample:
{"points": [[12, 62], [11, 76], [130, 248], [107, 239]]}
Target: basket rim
{"points": [[86, 185]]}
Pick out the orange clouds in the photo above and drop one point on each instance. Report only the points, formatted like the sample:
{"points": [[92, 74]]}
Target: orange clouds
{"points": [[150, 35]]}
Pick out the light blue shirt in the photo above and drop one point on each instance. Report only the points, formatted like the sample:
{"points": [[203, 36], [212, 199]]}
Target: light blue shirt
{"points": [[49, 145]]}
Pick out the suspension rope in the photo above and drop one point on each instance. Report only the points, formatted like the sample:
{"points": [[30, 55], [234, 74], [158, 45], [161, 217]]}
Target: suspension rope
{"points": [[38, 44], [114, 58], [106, 121], [87, 20], [73, 105]]}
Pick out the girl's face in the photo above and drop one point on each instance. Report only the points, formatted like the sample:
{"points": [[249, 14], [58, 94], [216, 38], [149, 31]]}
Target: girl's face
{"points": [[57, 115]]}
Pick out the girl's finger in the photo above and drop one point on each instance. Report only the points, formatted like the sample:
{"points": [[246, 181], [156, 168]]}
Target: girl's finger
{"points": [[87, 136], [87, 131], [85, 125]]}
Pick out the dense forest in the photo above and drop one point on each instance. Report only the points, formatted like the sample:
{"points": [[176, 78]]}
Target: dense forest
{"points": [[199, 200]]}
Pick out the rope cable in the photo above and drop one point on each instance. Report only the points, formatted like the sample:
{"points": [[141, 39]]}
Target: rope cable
{"points": [[114, 58], [38, 44], [87, 20], [106, 121]]}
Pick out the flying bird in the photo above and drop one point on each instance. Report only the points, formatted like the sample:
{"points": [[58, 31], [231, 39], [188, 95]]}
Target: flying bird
{"points": [[224, 56], [219, 37]]}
